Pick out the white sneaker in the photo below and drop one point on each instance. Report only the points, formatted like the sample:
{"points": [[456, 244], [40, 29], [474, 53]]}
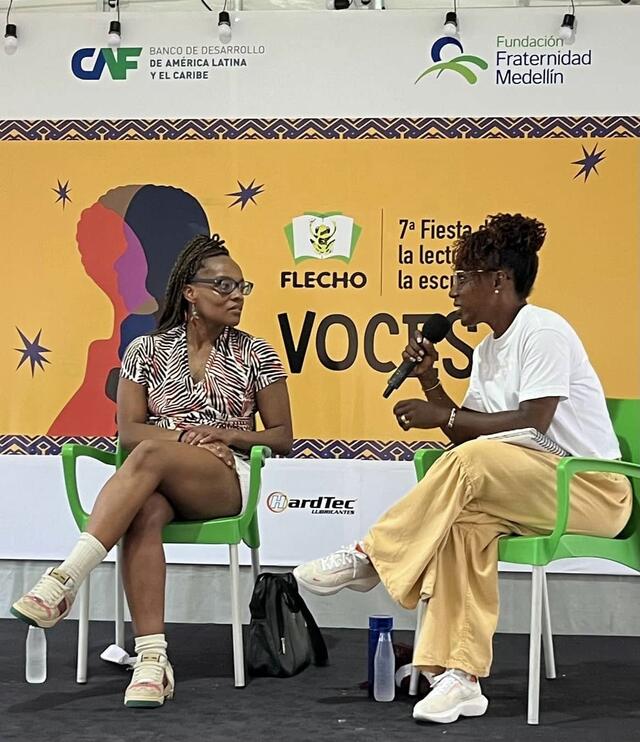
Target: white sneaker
{"points": [[346, 567], [453, 694], [48, 602], [404, 672], [152, 681]]}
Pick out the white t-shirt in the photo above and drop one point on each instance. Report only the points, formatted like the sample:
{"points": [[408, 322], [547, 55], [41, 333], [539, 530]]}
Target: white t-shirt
{"points": [[540, 355]]}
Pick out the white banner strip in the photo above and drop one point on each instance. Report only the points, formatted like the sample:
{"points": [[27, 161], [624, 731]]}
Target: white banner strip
{"points": [[505, 62], [308, 509]]}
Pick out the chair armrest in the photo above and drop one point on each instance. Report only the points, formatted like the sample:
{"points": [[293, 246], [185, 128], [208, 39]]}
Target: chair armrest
{"points": [[567, 468], [424, 459], [71, 452], [257, 457]]}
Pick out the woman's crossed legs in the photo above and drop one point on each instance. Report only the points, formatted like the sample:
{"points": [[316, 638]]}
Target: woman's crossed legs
{"points": [[159, 481]]}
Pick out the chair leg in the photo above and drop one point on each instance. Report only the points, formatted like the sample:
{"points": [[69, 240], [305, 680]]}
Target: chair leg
{"points": [[119, 628], [547, 636], [236, 621], [255, 564], [533, 706], [415, 671], [83, 630]]}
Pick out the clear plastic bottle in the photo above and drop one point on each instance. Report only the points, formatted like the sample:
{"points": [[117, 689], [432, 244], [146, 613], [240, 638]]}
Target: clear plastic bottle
{"points": [[35, 655], [384, 688]]}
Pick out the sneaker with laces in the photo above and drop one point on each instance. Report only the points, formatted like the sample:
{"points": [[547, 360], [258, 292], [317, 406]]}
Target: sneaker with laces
{"points": [[346, 567], [453, 694], [48, 602], [152, 681]]}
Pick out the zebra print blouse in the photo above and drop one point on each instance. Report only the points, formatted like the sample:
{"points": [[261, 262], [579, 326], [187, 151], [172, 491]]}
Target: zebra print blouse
{"points": [[238, 367]]}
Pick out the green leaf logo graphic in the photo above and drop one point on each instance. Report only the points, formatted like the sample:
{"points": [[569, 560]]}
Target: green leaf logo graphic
{"points": [[459, 64]]}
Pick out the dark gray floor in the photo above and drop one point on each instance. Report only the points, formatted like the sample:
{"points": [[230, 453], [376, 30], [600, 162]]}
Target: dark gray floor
{"points": [[596, 696]]}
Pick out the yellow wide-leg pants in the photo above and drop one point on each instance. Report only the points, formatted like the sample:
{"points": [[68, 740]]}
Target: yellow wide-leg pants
{"points": [[440, 541]]}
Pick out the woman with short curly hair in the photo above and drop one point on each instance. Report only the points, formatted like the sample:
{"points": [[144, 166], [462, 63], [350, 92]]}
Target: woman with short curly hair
{"points": [[440, 542]]}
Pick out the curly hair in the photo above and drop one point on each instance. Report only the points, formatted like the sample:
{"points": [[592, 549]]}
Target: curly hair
{"points": [[187, 264], [505, 241]]}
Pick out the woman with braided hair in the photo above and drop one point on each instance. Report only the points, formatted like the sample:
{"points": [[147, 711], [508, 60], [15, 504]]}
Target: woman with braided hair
{"points": [[187, 399], [440, 542]]}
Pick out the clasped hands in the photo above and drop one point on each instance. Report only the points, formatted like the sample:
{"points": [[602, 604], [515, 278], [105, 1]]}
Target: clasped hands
{"points": [[216, 440]]}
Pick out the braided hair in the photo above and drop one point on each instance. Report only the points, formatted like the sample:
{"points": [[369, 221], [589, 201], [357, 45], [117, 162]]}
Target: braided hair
{"points": [[187, 264], [505, 241]]}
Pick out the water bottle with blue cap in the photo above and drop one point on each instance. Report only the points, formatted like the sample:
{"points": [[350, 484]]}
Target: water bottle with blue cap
{"points": [[381, 658]]}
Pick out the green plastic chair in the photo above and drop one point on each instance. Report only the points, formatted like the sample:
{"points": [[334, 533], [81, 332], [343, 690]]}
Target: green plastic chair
{"points": [[539, 551], [231, 531]]}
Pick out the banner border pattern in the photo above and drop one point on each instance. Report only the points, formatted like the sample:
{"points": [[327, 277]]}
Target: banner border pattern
{"points": [[495, 127], [50, 445]]}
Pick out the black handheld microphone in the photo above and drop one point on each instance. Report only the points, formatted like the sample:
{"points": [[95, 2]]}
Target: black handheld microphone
{"points": [[434, 329]]}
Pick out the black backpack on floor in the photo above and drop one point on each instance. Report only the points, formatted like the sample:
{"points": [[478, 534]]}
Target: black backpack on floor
{"points": [[283, 635]]}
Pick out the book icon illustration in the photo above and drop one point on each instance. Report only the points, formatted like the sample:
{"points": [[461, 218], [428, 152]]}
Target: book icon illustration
{"points": [[321, 236]]}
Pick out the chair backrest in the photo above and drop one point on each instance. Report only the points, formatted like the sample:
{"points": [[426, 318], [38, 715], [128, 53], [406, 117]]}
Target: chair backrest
{"points": [[625, 416]]}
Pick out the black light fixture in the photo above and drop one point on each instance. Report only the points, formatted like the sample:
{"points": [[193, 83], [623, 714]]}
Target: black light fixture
{"points": [[114, 36], [224, 20], [568, 25], [224, 25], [10, 33], [451, 23]]}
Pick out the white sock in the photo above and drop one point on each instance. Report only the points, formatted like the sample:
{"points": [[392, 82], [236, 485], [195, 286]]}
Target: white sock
{"points": [[86, 554], [151, 643]]}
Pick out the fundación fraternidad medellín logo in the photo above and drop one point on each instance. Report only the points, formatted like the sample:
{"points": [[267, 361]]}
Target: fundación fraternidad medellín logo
{"points": [[322, 236], [457, 64]]}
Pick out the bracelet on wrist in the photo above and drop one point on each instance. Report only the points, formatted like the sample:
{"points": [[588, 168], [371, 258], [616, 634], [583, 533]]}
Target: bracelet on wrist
{"points": [[452, 418], [182, 432], [431, 388]]}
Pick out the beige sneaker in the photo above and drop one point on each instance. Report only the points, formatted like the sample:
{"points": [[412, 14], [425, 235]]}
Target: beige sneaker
{"points": [[453, 694], [152, 681], [346, 567], [48, 602]]}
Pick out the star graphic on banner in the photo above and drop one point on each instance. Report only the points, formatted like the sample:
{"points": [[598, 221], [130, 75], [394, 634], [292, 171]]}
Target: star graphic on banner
{"points": [[63, 193], [591, 159], [245, 194], [32, 351]]}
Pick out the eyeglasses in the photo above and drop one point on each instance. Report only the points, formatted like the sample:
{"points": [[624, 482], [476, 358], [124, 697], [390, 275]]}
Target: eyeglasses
{"points": [[225, 286], [459, 279]]}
